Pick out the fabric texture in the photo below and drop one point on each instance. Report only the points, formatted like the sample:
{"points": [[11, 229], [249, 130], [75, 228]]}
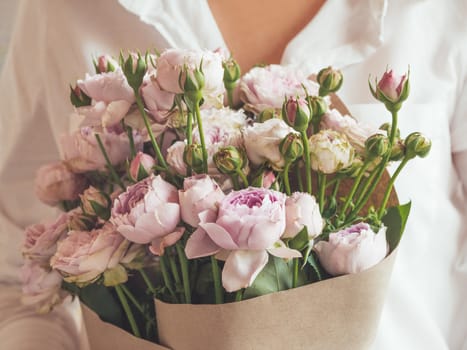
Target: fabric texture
{"points": [[426, 306]]}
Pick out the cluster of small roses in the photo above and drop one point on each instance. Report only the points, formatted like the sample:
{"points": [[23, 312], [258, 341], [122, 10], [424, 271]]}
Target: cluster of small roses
{"points": [[160, 167]]}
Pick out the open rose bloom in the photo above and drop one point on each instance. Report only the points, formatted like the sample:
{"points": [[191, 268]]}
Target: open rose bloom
{"points": [[279, 208]]}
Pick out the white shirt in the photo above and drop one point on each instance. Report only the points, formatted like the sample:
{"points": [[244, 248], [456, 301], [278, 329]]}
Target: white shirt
{"points": [[54, 42]]}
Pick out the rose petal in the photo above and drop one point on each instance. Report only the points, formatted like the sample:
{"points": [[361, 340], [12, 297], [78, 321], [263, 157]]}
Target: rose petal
{"points": [[200, 244], [242, 267], [219, 235], [158, 245]]}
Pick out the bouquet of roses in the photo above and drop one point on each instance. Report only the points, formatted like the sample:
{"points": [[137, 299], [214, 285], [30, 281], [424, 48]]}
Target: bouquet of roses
{"points": [[223, 197]]}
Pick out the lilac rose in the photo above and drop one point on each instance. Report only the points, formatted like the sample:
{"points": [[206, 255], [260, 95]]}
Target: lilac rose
{"points": [[147, 210], [352, 250], [302, 210], [248, 225]]}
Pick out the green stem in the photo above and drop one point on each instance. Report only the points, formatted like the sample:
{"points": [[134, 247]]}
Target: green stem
{"points": [[165, 277], [353, 190], [147, 280], [113, 173], [243, 177], [295, 273], [306, 158], [299, 177], [129, 132], [235, 182], [201, 138], [217, 281], [322, 187], [185, 276], [155, 146], [285, 173], [239, 295], [128, 312], [390, 186], [230, 97]]}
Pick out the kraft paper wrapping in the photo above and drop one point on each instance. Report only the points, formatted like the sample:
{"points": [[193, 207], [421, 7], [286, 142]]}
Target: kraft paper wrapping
{"points": [[105, 336]]}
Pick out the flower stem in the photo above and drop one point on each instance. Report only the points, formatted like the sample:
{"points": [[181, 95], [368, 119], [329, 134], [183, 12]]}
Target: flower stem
{"points": [[243, 177], [165, 277], [239, 295], [201, 138], [217, 281], [306, 158], [322, 188], [285, 173], [353, 190], [111, 168], [128, 312], [235, 182], [129, 132], [147, 280], [184, 266], [155, 146], [389, 187], [295, 273], [230, 97]]}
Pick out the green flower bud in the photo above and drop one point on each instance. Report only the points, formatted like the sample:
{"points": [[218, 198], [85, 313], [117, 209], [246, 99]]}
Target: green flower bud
{"points": [[81, 222], [229, 160], [291, 147], [397, 151], [417, 144], [192, 86], [318, 107], [115, 276], [134, 68], [353, 169], [193, 157], [78, 98], [376, 145], [231, 73], [268, 113], [96, 203], [387, 127], [296, 114], [329, 80], [391, 89]]}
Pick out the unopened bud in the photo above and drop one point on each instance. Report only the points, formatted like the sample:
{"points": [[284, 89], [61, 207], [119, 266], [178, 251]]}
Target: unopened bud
{"points": [[376, 145], [141, 166], [417, 144], [134, 68], [318, 106], [229, 160], [81, 222], [192, 86], [329, 80], [104, 64], [96, 203], [391, 89], [291, 147], [78, 98], [193, 157], [295, 113], [268, 113], [231, 73], [387, 127]]}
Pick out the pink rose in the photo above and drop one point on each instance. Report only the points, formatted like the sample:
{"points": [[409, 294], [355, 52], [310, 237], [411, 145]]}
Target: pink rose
{"points": [[172, 62], [265, 87], [107, 87], [199, 193], [55, 183], [391, 85], [352, 250], [302, 211], [141, 166], [158, 102], [82, 153], [103, 114], [84, 255], [147, 210], [41, 239], [249, 224], [262, 142], [41, 287], [356, 132]]}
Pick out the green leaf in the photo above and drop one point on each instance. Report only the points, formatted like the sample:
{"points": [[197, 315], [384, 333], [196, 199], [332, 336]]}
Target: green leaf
{"points": [[395, 220], [276, 276]]}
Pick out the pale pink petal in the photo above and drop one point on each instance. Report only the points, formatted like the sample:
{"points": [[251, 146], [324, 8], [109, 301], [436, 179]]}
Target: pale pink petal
{"points": [[265, 235], [134, 235], [284, 252], [242, 267], [200, 244], [219, 235], [158, 245]]}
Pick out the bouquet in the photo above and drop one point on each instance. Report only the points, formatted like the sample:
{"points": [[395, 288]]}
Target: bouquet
{"points": [[224, 198]]}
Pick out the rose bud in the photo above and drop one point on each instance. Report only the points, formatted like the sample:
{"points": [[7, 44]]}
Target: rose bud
{"points": [[104, 64], [78, 221], [141, 166], [329, 80], [291, 147], [78, 98], [134, 69], [387, 127], [392, 90], [417, 144], [268, 113], [330, 152], [376, 146], [296, 113], [193, 85], [229, 160], [231, 73], [318, 107], [96, 203], [352, 250], [193, 157]]}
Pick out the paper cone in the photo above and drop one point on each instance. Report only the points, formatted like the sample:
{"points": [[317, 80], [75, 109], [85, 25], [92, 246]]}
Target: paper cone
{"points": [[338, 313], [105, 336]]}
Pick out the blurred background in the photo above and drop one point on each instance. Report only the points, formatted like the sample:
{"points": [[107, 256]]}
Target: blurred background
{"points": [[7, 17]]}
